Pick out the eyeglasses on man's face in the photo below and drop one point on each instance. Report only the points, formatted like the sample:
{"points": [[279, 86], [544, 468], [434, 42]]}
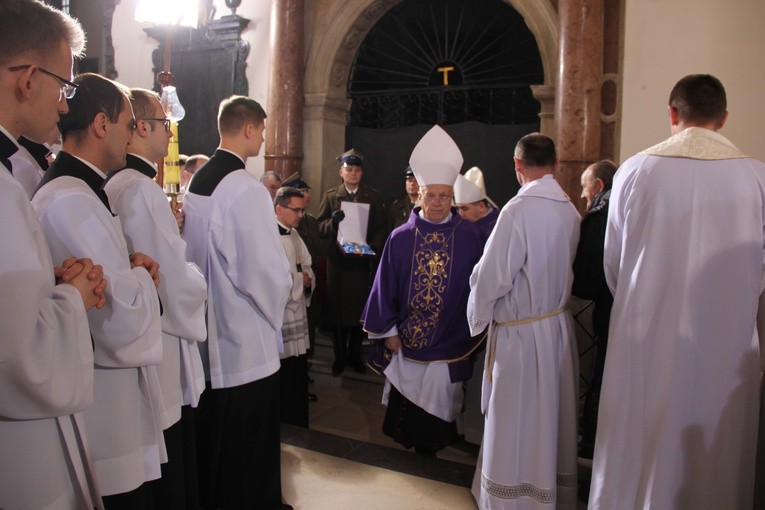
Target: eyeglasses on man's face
{"points": [[165, 122], [299, 210], [67, 87], [430, 198]]}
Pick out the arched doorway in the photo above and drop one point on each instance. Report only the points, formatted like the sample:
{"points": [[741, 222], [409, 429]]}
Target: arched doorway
{"points": [[465, 66], [337, 31]]}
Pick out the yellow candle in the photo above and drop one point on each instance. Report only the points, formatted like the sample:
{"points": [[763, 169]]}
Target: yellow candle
{"points": [[172, 163]]}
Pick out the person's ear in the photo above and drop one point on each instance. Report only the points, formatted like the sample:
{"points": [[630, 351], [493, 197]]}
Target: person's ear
{"points": [[99, 125], [722, 121], [600, 184], [674, 116], [23, 85]]}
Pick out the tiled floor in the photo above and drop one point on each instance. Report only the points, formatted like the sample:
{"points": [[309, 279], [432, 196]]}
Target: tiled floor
{"points": [[344, 461]]}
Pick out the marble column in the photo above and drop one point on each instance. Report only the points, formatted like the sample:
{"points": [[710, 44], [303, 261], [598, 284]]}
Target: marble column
{"points": [[612, 81], [578, 92], [284, 125]]}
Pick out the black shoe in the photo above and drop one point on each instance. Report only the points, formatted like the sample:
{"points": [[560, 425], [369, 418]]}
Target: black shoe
{"points": [[425, 451], [312, 397], [359, 367]]}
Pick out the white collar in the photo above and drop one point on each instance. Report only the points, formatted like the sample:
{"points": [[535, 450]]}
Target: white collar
{"points": [[446, 220]]}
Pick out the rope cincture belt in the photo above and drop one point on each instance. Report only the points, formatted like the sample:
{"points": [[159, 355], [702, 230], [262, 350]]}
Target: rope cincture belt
{"points": [[519, 322]]}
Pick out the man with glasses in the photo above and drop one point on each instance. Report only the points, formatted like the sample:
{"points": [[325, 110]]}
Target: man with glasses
{"points": [[76, 219], [348, 276], [415, 315], [149, 227], [520, 290], [293, 374], [46, 356]]}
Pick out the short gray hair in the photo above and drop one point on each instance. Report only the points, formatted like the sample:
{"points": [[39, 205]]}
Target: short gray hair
{"points": [[266, 175]]}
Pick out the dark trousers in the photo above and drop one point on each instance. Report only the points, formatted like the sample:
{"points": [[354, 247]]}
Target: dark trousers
{"points": [[178, 487], [238, 446], [140, 498], [412, 426], [293, 390]]}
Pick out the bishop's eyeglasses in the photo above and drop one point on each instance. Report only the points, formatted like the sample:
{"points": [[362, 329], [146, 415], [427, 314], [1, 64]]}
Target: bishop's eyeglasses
{"points": [[429, 199]]}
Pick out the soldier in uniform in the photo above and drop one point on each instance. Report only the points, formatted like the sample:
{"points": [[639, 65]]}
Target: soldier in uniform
{"points": [[349, 276], [398, 212]]}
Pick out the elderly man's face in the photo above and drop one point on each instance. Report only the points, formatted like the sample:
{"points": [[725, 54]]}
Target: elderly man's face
{"points": [[436, 201], [272, 185], [590, 186]]}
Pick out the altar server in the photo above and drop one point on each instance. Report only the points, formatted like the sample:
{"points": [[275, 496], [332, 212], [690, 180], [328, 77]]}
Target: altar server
{"points": [[123, 427], [150, 227], [46, 357]]}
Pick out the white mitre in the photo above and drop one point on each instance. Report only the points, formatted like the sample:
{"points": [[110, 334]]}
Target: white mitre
{"points": [[436, 159], [470, 188]]}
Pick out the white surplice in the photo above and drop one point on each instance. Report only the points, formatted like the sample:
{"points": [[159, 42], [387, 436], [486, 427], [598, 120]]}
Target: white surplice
{"points": [[684, 258], [232, 236], [46, 370], [295, 325], [150, 227], [123, 428], [528, 454], [26, 170]]}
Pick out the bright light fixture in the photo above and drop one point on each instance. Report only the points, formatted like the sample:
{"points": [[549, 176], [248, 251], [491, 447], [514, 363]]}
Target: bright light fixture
{"points": [[168, 12]]}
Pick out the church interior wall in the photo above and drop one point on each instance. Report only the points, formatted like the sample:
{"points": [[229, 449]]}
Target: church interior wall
{"points": [[668, 39], [663, 40], [133, 48]]}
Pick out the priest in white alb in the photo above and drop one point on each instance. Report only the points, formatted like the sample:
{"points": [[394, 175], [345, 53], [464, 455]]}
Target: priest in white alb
{"points": [[684, 253], [520, 290]]}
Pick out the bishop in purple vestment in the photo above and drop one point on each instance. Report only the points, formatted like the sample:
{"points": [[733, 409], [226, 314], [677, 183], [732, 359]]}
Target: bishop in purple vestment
{"points": [[415, 313]]}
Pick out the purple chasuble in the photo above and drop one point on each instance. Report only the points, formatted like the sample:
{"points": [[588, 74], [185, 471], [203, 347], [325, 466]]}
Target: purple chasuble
{"points": [[421, 287], [486, 224]]}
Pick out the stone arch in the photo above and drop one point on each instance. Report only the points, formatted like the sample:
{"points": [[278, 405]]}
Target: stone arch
{"points": [[331, 49]]}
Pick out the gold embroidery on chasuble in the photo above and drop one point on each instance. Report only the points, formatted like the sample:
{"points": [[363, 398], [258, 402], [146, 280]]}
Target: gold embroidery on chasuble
{"points": [[431, 269]]}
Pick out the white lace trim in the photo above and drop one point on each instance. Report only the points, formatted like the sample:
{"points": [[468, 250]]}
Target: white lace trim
{"points": [[529, 490], [566, 480], [474, 322], [696, 143]]}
